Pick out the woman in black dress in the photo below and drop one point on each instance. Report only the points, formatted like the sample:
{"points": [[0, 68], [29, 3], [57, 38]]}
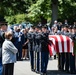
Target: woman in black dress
{"points": [[25, 45]]}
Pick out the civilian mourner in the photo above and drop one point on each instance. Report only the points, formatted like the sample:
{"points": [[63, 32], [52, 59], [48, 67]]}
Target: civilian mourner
{"points": [[3, 29], [8, 54]]}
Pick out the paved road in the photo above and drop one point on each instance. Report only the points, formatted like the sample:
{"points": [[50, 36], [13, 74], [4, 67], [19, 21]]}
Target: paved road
{"points": [[23, 68]]}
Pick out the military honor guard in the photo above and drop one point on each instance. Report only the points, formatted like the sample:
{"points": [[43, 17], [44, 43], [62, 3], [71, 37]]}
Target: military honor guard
{"points": [[44, 51], [72, 55], [31, 47]]}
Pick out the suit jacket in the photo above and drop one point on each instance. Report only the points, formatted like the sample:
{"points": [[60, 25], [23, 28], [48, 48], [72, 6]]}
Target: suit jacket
{"points": [[1, 41]]}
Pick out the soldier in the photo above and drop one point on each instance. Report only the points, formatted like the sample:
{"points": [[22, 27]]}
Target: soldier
{"points": [[65, 56], [68, 55], [72, 55], [44, 51], [31, 45], [63, 60], [38, 34]]}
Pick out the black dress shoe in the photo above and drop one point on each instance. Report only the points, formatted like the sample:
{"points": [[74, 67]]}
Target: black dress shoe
{"points": [[44, 73], [41, 73], [33, 70], [72, 72], [37, 72]]}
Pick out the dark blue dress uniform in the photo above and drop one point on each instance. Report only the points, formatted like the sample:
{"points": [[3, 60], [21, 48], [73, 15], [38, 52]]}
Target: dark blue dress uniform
{"points": [[31, 48], [38, 51], [72, 56], [44, 52], [69, 58], [63, 60]]}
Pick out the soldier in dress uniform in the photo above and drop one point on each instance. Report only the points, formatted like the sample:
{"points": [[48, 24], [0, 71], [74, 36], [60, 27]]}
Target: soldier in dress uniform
{"points": [[31, 47], [72, 55], [66, 55], [63, 57], [44, 51], [38, 34]]}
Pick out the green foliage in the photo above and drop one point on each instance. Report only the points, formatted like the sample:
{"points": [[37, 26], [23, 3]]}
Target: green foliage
{"points": [[16, 11], [15, 19], [40, 8], [20, 18], [67, 10], [10, 19], [13, 7]]}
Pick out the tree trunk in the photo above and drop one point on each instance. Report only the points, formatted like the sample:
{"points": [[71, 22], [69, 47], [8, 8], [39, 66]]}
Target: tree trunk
{"points": [[2, 18], [54, 10], [43, 20]]}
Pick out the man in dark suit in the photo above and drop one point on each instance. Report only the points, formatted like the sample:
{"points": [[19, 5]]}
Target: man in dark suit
{"points": [[19, 41], [3, 29]]}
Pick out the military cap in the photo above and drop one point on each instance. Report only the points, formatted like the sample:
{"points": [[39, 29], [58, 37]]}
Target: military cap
{"points": [[44, 27], [38, 27], [62, 26], [33, 27], [74, 27], [65, 25], [3, 23], [70, 27]]}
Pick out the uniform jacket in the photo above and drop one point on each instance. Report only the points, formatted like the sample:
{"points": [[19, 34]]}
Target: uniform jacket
{"points": [[31, 44]]}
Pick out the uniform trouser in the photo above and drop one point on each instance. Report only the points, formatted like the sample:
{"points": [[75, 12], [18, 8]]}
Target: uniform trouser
{"points": [[32, 59], [67, 62], [8, 69], [54, 56], [62, 61], [38, 61], [44, 61], [59, 61], [72, 63]]}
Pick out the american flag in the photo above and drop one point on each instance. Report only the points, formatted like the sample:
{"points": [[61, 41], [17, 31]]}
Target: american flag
{"points": [[59, 44]]}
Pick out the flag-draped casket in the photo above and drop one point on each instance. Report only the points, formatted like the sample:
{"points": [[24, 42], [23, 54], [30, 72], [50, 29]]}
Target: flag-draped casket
{"points": [[59, 44]]}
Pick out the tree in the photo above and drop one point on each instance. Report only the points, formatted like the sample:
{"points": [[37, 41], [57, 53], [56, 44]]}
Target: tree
{"points": [[40, 11], [54, 4], [10, 8], [67, 10]]}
